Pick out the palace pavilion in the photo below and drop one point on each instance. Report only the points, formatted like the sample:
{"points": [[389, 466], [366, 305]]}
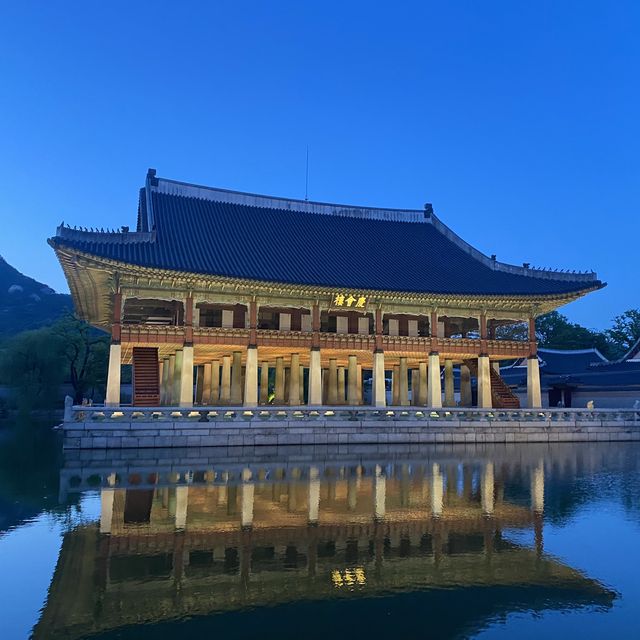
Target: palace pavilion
{"points": [[226, 298]]}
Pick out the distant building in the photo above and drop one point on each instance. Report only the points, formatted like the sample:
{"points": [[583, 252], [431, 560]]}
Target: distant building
{"points": [[276, 300], [572, 378]]}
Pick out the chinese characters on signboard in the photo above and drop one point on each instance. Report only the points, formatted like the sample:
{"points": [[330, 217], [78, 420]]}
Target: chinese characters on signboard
{"points": [[349, 300]]}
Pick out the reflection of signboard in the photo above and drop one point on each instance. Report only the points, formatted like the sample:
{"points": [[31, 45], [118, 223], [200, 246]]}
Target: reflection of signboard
{"points": [[348, 577], [354, 301]]}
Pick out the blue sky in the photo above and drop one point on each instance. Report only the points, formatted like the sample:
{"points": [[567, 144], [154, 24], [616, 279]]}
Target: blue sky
{"points": [[519, 121]]}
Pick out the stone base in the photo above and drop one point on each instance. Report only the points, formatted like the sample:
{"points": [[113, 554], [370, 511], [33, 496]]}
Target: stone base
{"points": [[255, 432]]}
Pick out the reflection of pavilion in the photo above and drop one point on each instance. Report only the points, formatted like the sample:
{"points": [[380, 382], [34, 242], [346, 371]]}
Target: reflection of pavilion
{"points": [[195, 543]]}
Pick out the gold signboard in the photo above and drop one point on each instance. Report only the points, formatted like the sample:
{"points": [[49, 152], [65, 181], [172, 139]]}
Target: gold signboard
{"points": [[354, 301]]}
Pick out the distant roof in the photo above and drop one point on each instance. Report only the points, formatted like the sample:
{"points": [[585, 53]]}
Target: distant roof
{"points": [[634, 352], [203, 230], [563, 361]]}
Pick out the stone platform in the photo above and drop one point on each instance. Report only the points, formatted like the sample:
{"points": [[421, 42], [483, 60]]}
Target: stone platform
{"points": [[135, 427]]}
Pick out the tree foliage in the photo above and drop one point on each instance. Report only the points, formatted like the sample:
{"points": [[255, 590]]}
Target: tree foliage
{"points": [[625, 331], [34, 364], [86, 354]]}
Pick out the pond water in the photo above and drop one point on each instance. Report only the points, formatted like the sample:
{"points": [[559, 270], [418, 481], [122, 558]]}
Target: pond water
{"points": [[521, 541]]}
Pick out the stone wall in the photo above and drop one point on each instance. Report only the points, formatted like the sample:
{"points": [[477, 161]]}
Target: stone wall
{"points": [[185, 433]]}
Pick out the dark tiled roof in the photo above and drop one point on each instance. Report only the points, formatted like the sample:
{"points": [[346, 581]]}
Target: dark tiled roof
{"points": [[215, 232], [565, 361]]}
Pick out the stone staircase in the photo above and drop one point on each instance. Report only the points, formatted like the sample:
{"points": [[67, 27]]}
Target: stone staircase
{"points": [[501, 395]]}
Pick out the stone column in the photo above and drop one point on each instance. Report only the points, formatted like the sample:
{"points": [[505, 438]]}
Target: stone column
{"points": [[246, 513], [112, 397], [314, 495], [225, 387], [236, 378], [164, 393], [186, 379], [199, 384], [264, 383], [171, 384], [352, 395], [279, 390], [332, 398], [301, 385], [215, 382], [378, 389], [341, 388], [534, 394], [449, 395], [395, 385], [403, 394], [251, 378], [294, 380], [415, 387], [484, 382], [434, 395], [206, 383], [437, 491], [466, 398], [359, 384], [182, 503], [424, 384], [160, 376], [379, 494], [315, 378], [176, 393], [487, 488]]}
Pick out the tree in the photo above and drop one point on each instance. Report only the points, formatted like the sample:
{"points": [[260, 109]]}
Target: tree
{"points": [[32, 365], [86, 353], [554, 331], [625, 331]]}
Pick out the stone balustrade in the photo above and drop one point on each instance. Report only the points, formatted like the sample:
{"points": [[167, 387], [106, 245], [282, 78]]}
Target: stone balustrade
{"points": [[425, 415]]}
